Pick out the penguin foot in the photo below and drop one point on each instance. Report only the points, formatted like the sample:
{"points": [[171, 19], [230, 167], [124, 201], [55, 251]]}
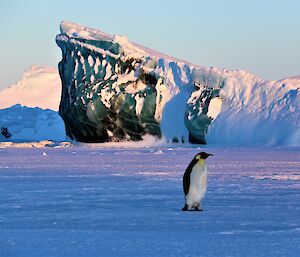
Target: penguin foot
{"points": [[197, 209], [185, 208]]}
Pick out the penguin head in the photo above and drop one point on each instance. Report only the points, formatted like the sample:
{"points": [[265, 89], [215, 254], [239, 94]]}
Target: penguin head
{"points": [[203, 156]]}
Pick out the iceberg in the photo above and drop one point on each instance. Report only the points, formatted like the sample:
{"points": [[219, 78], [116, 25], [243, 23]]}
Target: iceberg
{"points": [[117, 90]]}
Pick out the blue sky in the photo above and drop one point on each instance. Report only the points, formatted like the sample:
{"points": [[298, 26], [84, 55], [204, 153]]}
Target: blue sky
{"points": [[262, 37]]}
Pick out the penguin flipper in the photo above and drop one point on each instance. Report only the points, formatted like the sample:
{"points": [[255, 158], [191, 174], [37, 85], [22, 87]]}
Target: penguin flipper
{"points": [[186, 183], [186, 177]]}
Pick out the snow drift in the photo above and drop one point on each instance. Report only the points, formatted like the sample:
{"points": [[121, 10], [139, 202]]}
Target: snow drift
{"points": [[114, 89], [257, 112], [31, 124], [39, 87]]}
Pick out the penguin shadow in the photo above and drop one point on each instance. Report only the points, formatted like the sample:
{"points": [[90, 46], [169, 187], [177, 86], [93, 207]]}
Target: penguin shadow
{"points": [[185, 211], [194, 210]]}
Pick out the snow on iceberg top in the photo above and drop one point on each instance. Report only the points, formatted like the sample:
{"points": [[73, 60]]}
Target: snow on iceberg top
{"points": [[74, 30]]}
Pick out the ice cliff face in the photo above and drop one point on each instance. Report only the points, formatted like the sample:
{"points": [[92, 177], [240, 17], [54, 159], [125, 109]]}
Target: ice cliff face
{"points": [[117, 90]]}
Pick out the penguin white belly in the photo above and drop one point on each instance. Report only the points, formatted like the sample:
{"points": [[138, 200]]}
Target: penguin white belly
{"points": [[197, 189]]}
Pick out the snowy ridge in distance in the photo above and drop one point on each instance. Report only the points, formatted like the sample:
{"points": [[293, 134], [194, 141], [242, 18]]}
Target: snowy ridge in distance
{"points": [[27, 124], [39, 86]]}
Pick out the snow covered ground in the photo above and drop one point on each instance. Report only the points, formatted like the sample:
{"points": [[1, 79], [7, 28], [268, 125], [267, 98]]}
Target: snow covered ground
{"points": [[87, 201]]}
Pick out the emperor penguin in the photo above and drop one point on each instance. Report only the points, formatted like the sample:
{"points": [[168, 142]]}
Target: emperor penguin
{"points": [[194, 182]]}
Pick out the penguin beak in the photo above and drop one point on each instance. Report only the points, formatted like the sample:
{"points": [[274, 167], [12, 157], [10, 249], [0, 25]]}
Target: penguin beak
{"points": [[204, 155], [207, 155]]}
